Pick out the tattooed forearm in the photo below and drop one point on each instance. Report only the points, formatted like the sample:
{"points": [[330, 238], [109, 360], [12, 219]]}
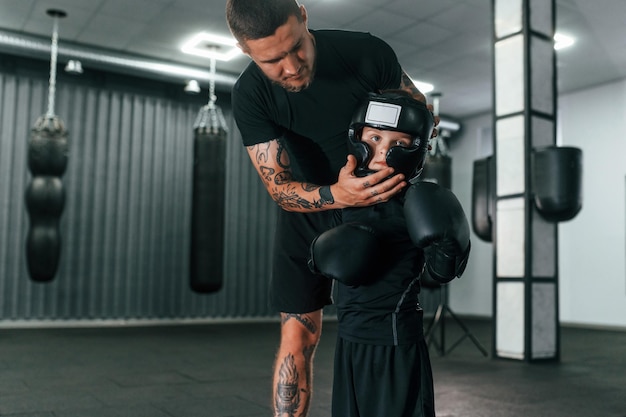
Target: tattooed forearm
{"points": [[283, 178], [288, 197], [291, 201], [266, 174], [282, 158], [272, 163], [303, 319]]}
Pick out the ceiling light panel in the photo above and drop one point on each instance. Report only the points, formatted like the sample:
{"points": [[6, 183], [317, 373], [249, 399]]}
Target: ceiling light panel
{"points": [[208, 45], [562, 41]]}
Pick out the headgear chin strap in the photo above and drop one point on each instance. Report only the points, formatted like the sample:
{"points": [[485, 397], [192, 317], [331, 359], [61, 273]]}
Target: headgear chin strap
{"points": [[398, 112]]}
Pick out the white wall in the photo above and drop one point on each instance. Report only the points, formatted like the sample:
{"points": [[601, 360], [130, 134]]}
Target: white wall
{"points": [[472, 294], [592, 246]]}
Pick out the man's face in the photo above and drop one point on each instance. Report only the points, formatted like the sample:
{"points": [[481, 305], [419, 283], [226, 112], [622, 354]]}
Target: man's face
{"points": [[287, 57]]}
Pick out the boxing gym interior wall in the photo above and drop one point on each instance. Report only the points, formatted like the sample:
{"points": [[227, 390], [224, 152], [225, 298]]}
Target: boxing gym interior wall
{"points": [[592, 246], [125, 228]]}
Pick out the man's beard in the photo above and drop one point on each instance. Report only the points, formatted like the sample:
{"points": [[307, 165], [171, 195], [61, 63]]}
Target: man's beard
{"points": [[297, 89]]}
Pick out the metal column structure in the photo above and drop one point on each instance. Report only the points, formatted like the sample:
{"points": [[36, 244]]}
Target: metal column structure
{"points": [[526, 319]]}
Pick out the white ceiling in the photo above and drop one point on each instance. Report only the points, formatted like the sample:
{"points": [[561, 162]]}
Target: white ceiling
{"points": [[447, 43]]}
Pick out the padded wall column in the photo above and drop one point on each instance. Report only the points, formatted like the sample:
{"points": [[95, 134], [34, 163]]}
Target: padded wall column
{"points": [[526, 320]]}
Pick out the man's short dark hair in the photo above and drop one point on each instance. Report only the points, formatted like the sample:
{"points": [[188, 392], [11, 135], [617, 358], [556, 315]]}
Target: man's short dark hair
{"points": [[256, 19]]}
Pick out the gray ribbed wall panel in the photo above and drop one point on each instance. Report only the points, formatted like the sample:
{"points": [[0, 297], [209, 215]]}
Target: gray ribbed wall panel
{"points": [[126, 224]]}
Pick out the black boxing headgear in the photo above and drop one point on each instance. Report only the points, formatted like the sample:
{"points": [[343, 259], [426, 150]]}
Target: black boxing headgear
{"points": [[398, 112]]}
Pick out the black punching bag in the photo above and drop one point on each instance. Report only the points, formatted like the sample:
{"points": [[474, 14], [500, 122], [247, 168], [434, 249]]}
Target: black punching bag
{"points": [[557, 182], [438, 169], [45, 196], [45, 199], [438, 164], [207, 216], [482, 199]]}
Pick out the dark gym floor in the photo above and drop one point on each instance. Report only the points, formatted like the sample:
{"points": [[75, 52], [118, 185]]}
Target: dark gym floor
{"points": [[223, 369]]}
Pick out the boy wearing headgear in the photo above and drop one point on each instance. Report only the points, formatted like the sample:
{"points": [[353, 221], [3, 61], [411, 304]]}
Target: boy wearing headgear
{"points": [[377, 254]]}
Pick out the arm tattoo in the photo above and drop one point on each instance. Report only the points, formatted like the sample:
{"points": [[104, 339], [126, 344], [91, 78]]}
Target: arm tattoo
{"points": [[282, 157], [261, 156], [266, 173], [283, 178], [289, 198], [282, 186], [303, 319], [262, 152]]}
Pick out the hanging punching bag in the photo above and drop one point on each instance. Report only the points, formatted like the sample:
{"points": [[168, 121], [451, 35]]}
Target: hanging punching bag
{"points": [[207, 216], [438, 164], [482, 199], [557, 182], [45, 196], [438, 169]]}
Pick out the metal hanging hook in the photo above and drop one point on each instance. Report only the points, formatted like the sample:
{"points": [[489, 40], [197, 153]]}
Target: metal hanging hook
{"points": [[439, 146], [56, 15], [210, 116], [212, 96]]}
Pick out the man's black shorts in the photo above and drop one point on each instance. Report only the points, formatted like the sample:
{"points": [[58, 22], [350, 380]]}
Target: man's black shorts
{"points": [[294, 288]]}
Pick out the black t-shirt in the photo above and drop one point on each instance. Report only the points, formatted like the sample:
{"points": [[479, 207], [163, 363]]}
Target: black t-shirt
{"points": [[386, 311], [313, 123]]}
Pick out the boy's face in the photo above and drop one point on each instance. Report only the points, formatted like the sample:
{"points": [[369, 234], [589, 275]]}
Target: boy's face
{"points": [[379, 142]]}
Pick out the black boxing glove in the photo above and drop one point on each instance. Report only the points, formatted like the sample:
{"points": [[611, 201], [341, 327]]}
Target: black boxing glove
{"points": [[437, 224], [348, 253]]}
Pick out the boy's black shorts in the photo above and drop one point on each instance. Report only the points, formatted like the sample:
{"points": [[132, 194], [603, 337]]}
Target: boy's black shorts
{"points": [[293, 287], [375, 381]]}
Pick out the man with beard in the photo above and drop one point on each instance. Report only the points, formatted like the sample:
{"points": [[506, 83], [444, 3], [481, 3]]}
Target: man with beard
{"points": [[293, 105]]}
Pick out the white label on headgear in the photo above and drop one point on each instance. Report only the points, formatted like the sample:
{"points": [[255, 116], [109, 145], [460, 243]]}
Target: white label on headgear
{"points": [[383, 114]]}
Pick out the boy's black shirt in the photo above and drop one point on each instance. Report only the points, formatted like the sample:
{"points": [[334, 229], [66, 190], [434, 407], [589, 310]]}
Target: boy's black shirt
{"points": [[386, 311]]}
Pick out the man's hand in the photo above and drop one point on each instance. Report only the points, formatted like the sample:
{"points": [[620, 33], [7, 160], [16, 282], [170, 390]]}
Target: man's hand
{"points": [[353, 191]]}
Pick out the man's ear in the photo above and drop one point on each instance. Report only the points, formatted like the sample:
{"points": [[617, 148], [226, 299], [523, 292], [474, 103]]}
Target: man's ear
{"points": [[303, 14], [243, 48]]}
